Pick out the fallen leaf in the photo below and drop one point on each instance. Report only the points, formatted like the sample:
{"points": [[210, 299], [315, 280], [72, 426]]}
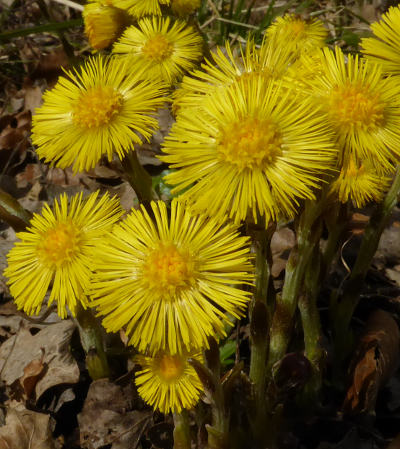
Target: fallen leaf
{"points": [[375, 360], [53, 340], [25, 429], [33, 96], [106, 418], [33, 372], [395, 444], [5, 247]]}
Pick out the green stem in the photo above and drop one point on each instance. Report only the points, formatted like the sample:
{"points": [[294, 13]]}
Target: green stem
{"points": [[181, 430], [13, 213], [138, 178], [261, 305], [91, 335], [294, 276], [218, 432], [372, 234], [312, 328], [336, 223]]}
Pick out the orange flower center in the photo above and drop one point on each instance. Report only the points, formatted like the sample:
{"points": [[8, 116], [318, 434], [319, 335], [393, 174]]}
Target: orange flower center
{"points": [[352, 170], [97, 107], [59, 244], [158, 48], [171, 367], [168, 269], [353, 107], [251, 143], [298, 27]]}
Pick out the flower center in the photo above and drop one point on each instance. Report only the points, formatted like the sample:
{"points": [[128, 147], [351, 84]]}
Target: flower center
{"points": [[60, 244], [168, 269], [352, 170], [353, 107], [158, 48], [97, 107], [251, 143], [298, 27], [171, 367]]}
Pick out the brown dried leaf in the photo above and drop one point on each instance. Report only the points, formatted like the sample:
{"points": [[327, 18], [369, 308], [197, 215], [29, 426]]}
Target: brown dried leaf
{"points": [[33, 372], [375, 360], [33, 96], [395, 444], [106, 420], [25, 429], [53, 341], [14, 130], [29, 175], [5, 247]]}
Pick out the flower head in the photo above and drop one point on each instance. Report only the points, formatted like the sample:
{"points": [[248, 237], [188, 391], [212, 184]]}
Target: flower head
{"points": [[104, 23], [253, 148], [305, 34], [171, 281], [362, 106], [183, 8], [385, 47], [168, 382], [140, 8], [271, 61], [57, 249], [359, 183], [165, 49], [95, 111]]}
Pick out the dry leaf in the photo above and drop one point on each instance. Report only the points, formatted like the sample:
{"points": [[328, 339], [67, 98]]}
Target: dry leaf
{"points": [[395, 444], [14, 131], [374, 363], [5, 247], [33, 372], [25, 429], [18, 351], [105, 419]]}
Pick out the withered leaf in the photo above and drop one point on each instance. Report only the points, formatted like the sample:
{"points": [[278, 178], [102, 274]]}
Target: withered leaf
{"points": [[25, 429], [375, 360]]}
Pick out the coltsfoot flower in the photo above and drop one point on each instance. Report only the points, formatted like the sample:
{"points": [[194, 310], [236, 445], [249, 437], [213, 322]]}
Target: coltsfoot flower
{"points": [[56, 250], [252, 149], [362, 106], [225, 67], [171, 282], [168, 382], [360, 184], [183, 8], [165, 49], [305, 34], [385, 47], [140, 8], [104, 22], [101, 108]]}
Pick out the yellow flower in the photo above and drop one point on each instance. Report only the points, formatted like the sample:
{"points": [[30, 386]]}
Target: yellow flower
{"points": [[360, 184], [104, 23], [252, 148], [140, 8], [101, 108], [271, 60], [57, 250], [168, 382], [164, 49], [305, 34], [170, 282], [385, 48], [183, 8], [363, 107]]}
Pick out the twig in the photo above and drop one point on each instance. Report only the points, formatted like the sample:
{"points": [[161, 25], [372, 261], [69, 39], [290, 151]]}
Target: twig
{"points": [[70, 4]]}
